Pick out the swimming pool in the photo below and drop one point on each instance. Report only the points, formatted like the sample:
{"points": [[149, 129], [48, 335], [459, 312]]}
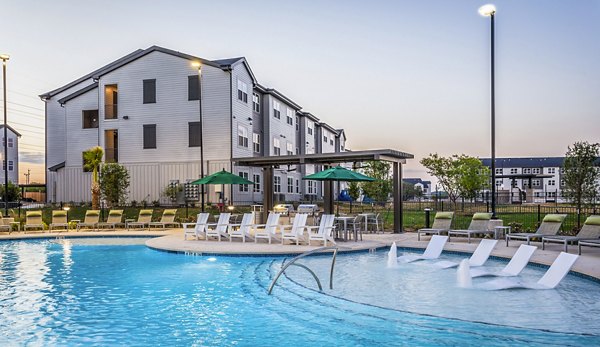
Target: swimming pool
{"points": [[78, 292]]}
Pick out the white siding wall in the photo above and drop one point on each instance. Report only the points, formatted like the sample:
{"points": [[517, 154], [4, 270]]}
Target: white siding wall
{"points": [[13, 155], [79, 139]]}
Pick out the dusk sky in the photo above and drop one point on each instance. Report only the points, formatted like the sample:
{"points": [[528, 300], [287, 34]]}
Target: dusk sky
{"points": [[407, 75]]}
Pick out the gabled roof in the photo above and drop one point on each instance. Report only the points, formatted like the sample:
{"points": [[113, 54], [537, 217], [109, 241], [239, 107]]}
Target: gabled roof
{"points": [[51, 93], [308, 115], [11, 129], [277, 94], [231, 62], [57, 166], [341, 132], [328, 127], [78, 93]]}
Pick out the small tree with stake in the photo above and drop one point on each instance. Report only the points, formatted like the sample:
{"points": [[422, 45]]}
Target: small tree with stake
{"points": [[581, 174], [114, 182]]}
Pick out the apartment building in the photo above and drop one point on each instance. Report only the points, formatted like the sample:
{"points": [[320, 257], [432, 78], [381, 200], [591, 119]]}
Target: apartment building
{"points": [[13, 154], [144, 110]]}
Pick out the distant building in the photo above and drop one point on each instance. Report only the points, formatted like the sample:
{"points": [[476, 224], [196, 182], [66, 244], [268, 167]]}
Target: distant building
{"points": [[418, 183], [13, 154]]}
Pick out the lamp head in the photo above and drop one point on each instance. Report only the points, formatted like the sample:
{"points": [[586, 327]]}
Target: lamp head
{"points": [[4, 57], [196, 64], [66, 208], [487, 10]]}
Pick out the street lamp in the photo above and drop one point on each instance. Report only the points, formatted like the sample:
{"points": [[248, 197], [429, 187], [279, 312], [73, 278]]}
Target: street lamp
{"points": [[489, 10], [5, 58], [198, 66]]}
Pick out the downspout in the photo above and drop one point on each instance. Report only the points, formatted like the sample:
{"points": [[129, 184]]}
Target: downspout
{"points": [[230, 131], [46, 147]]}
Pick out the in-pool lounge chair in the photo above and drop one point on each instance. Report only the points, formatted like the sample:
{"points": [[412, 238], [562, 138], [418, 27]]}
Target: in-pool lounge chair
{"points": [[268, 230], [92, 217], [441, 224], [59, 221], [324, 232], [33, 220], [243, 229], [144, 218], [168, 218], [479, 225], [219, 229], [433, 251], [514, 267], [295, 232], [589, 231], [550, 226], [557, 271], [478, 258], [115, 217], [197, 229]]}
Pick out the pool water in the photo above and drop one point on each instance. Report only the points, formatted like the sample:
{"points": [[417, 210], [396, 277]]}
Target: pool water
{"points": [[77, 292]]}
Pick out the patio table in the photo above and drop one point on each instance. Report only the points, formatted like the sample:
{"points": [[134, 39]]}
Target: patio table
{"points": [[345, 220]]}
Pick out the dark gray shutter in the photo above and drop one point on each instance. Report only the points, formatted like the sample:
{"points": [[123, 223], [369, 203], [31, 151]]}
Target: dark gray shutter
{"points": [[149, 91], [193, 90], [149, 136], [194, 134]]}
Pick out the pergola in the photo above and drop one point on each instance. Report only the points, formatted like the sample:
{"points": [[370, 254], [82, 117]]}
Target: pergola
{"points": [[396, 158]]}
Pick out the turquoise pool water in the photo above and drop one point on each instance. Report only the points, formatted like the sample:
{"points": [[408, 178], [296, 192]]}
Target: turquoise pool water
{"points": [[80, 293]]}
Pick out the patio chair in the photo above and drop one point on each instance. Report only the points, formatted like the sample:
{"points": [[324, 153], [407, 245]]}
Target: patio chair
{"points": [[92, 217], [294, 232], [550, 226], [433, 251], [115, 218], [589, 231], [168, 218], [33, 220], [555, 274], [442, 222], [197, 229], [514, 267], [59, 220], [5, 225], [375, 222], [219, 229], [478, 258], [242, 230], [324, 232], [268, 230], [479, 225], [356, 224], [144, 218]]}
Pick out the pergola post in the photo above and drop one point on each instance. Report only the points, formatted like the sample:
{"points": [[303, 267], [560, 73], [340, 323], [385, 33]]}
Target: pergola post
{"points": [[267, 192], [328, 194], [397, 196]]}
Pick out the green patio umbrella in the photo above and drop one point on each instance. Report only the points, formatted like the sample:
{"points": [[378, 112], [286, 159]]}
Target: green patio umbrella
{"points": [[222, 177], [339, 173]]}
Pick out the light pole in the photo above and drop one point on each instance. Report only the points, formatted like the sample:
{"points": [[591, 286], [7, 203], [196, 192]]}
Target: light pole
{"points": [[489, 10], [5, 58], [197, 65]]}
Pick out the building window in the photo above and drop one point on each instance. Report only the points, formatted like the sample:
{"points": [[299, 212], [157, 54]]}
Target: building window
{"points": [[498, 171], [256, 180], [325, 138], [111, 99], [527, 171], [290, 116], [551, 182], [498, 183], [149, 136], [536, 183], [276, 109], [242, 136], [331, 142], [537, 194], [10, 141], [242, 91], [551, 170], [513, 183], [311, 187], [310, 129], [256, 142], [513, 171], [551, 194], [277, 184], [255, 102], [297, 151], [297, 186], [194, 134], [10, 165], [562, 182], [193, 88], [276, 147], [290, 149], [149, 91], [90, 119], [290, 185], [525, 184], [535, 170], [297, 123], [243, 187]]}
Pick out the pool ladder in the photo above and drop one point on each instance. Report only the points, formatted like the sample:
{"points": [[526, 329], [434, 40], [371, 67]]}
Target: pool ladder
{"points": [[298, 257]]}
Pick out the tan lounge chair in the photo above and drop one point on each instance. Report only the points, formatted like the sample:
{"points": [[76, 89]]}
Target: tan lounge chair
{"points": [[115, 217], [479, 225], [33, 220], [589, 231], [92, 217], [168, 218], [144, 218], [442, 222], [59, 221], [550, 226]]}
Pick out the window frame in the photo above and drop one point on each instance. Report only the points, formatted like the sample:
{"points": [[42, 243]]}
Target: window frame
{"points": [[256, 142], [149, 95], [277, 109], [242, 136], [146, 143], [193, 88], [198, 141]]}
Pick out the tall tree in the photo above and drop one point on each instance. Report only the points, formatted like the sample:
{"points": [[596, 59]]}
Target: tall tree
{"points": [[92, 159], [580, 173], [380, 189], [114, 182]]}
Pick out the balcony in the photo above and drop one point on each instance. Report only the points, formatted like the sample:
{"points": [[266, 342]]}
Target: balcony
{"points": [[111, 111]]}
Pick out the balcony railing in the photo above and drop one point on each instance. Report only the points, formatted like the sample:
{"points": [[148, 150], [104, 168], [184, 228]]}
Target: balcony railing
{"points": [[111, 111], [111, 155]]}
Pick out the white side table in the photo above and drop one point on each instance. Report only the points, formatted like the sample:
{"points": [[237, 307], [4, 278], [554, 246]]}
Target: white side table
{"points": [[501, 229]]}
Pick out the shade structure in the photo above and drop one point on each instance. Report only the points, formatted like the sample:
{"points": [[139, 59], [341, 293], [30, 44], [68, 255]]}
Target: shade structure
{"points": [[222, 177], [339, 173]]}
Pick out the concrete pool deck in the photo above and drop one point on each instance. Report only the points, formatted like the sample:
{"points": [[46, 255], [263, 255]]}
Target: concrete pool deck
{"points": [[172, 240]]}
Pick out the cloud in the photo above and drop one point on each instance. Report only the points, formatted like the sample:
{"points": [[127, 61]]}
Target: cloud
{"points": [[31, 157]]}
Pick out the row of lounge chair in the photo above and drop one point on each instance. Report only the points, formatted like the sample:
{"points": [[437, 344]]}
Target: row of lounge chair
{"points": [[547, 232], [34, 221], [297, 233]]}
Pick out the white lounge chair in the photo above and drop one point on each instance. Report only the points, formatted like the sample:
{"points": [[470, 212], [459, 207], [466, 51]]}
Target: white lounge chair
{"points": [[433, 251], [557, 271], [478, 258], [441, 224], [242, 230], [219, 229], [514, 267], [479, 225], [294, 232], [324, 232], [197, 229], [268, 230]]}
